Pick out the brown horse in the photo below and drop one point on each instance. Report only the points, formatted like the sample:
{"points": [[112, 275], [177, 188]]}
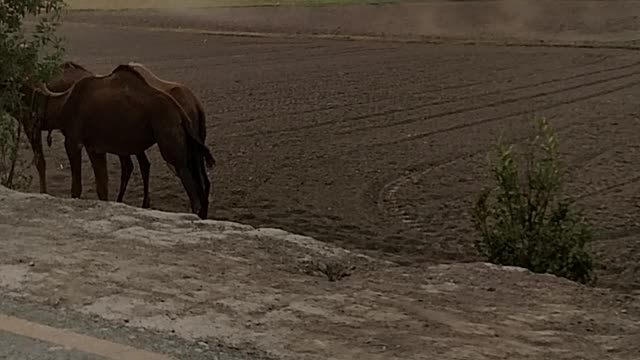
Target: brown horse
{"points": [[194, 110], [69, 73], [120, 113]]}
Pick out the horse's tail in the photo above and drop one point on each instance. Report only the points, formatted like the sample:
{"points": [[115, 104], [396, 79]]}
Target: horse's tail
{"points": [[200, 118], [201, 122], [195, 140]]}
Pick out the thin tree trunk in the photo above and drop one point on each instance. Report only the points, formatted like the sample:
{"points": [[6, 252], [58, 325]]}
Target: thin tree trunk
{"points": [[14, 156]]}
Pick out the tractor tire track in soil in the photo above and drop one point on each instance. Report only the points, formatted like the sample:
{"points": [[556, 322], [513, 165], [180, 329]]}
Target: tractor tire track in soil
{"points": [[506, 101], [440, 101], [376, 146], [625, 86], [405, 90]]}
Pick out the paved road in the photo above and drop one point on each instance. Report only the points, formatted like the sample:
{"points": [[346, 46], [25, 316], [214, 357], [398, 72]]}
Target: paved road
{"points": [[29, 331], [25, 348]]}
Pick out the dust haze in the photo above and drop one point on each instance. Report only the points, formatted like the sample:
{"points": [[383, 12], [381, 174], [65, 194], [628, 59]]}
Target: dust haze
{"points": [[543, 20], [566, 20]]}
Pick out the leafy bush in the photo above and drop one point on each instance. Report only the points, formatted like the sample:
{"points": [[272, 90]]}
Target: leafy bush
{"points": [[524, 221], [31, 52]]}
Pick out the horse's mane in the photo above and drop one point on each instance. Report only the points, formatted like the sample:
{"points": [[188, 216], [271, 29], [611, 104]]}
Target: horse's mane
{"points": [[136, 64], [72, 65]]}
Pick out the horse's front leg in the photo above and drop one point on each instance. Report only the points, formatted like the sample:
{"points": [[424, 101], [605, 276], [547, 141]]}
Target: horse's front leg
{"points": [[74, 153], [35, 139]]}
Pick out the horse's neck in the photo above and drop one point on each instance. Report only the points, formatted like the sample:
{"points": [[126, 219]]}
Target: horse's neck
{"points": [[53, 111]]}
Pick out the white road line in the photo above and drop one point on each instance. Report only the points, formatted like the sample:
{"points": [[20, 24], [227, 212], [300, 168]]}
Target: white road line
{"points": [[76, 341]]}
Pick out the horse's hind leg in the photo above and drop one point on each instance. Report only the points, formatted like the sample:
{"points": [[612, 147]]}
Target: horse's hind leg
{"points": [[74, 153], [99, 164], [126, 168], [145, 167]]}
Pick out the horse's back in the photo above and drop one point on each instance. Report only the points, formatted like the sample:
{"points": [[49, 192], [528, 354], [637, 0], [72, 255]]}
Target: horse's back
{"points": [[123, 104], [152, 79], [129, 92], [67, 78], [181, 93]]}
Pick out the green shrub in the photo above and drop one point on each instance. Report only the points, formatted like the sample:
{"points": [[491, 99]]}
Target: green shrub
{"points": [[525, 221], [26, 52]]}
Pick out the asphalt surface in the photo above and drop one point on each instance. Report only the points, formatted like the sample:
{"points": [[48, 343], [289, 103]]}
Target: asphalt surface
{"points": [[21, 347], [13, 346]]}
